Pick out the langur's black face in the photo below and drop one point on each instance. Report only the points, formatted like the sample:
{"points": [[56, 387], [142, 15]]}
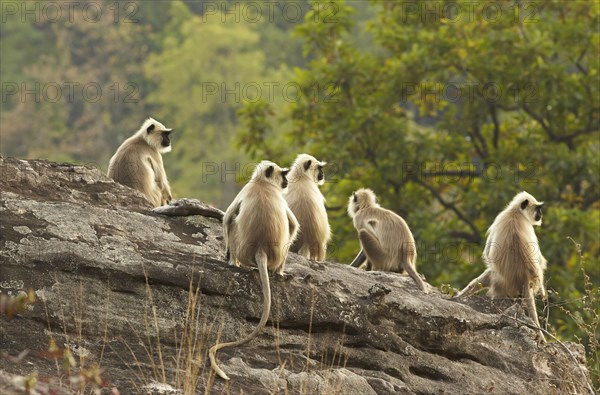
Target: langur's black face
{"points": [[165, 141], [284, 179], [538, 212], [320, 175], [533, 210], [272, 173]]}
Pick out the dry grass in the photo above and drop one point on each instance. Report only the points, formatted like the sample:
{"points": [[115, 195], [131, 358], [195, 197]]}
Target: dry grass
{"points": [[73, 373], [188, 370], [590, 306]]}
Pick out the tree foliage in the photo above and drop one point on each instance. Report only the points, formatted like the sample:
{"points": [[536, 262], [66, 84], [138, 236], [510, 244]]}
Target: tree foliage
{"points": [[75, 88], [78, 78], [453, 109]]}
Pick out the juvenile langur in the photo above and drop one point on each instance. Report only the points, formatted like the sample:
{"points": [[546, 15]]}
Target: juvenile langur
{"points": [[308, 205], [515, 264], [258, 229], [385, 239], [138, 162]]}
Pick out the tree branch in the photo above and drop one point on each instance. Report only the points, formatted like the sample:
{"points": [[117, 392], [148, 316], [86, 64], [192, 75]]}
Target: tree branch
{"points": [[452, 173], [521, 27], [577, 62], [579, 132], [466, 236], [539, 119], [474, 235], [566, 139], [477, 134], [496, 125]]}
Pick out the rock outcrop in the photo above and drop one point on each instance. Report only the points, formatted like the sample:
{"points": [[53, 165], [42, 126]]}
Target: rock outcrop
{"points": [[113, 282]]}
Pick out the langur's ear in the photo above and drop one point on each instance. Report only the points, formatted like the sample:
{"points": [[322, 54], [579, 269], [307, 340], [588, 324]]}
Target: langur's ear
{"points": [[150, 128], [307, 164], [354, 197], [524, 204]]}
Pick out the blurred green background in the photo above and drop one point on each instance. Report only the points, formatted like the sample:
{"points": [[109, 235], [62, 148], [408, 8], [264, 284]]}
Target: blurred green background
{"points": [[446, 109]]}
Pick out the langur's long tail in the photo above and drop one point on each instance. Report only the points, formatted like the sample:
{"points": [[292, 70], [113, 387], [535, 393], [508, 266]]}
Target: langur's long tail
{"points": [[261, 262], [359, 259]]}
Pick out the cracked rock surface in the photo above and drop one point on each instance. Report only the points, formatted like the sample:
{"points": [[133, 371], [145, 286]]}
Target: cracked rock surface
{"points": [[112, 280]]}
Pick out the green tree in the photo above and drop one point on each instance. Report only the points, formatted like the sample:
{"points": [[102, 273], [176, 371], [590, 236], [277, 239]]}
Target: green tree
{"points": [[454, 109], [209, 65], [80, 97]]}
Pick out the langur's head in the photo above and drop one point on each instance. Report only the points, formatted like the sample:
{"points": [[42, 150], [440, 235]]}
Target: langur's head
{"points": [[306, 166], [529, 207], [156, 135], [272, 173], [361, 199]]}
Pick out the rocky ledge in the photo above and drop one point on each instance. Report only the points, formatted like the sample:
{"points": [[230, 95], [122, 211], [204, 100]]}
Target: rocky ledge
{"points": [[137, 298]]}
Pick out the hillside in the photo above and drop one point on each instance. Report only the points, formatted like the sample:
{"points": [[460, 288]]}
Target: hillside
{"points": [[112, 281]]}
